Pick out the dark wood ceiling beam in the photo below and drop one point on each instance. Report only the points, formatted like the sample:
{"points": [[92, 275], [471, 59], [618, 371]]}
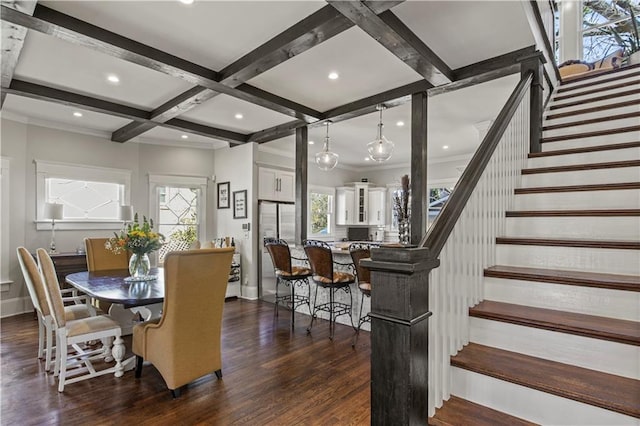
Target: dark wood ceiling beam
{"points": [[62, 97], [390, 99], [12, 41], [393, 34], [65, 27]]}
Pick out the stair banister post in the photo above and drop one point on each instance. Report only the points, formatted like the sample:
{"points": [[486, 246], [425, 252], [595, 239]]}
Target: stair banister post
{"points": [[399, 334], [535, 63]]}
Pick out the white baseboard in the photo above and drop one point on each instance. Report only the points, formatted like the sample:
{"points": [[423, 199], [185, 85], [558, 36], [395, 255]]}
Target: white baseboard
{"points": [[15, 306]]}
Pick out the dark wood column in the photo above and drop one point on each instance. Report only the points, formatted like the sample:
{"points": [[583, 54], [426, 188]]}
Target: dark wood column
{"points": [[535, 63], [419, 191], [399, 335], [302, 166]]}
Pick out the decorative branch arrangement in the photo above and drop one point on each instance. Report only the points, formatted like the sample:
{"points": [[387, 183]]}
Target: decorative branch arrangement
{"points": [[401, 199]]}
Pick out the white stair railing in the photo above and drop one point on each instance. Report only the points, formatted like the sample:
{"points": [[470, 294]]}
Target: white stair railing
{"points": [[464, 236]]}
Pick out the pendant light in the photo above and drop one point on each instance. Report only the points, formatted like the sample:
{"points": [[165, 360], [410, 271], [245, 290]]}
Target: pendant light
{"points": [[380, 149], [325, 159]]}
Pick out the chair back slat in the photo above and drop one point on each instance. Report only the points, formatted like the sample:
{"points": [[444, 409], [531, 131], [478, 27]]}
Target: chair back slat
{"points": [[280, 255], [99, 258], [320, 258], [52, 287], [33, 280], [358, 252]]}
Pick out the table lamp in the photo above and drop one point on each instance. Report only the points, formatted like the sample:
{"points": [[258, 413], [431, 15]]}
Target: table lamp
{"points": [[126, 215], [53, 211]]}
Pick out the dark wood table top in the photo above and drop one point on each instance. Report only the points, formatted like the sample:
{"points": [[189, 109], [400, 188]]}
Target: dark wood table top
{"points": [[110, 286]]}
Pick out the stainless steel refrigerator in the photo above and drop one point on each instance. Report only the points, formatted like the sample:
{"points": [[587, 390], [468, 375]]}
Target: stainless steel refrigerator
{"points": [[276, 220]]}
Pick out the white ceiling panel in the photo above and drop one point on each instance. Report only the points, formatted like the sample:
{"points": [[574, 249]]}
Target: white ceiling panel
{"points": [[465, 32], [54, 62], [220, 112], [365, 68], [166, 136], [209, 33]]}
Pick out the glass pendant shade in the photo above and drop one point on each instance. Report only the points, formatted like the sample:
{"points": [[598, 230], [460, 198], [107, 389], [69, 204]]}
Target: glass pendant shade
{"points": [[325, 159], [380, 149]]}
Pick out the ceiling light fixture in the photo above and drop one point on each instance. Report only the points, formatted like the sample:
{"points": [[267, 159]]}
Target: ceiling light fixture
{"points": [[238, 116], [325, 159], [77, 114], [380, 150], [311, 142], [445, 146], [186, 1], [333, 75], [184, 137], [400, 123], [113, 78]]}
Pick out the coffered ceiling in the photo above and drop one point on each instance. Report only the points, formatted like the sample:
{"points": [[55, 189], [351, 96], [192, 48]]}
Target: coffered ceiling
{"points": [[190, 69]]}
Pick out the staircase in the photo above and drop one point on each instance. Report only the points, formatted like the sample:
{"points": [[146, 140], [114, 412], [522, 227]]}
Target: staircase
{"points": [[556, 339]]}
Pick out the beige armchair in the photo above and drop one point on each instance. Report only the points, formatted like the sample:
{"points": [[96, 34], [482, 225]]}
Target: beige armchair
{"points": [[185, 343], [99, 258]]}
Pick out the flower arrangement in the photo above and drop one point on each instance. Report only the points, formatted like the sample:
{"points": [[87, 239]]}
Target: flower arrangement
{"points": [[138, 239]]}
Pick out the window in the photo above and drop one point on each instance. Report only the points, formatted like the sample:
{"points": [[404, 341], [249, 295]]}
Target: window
{"points": [[321, 212], [437, 198], [608, 27], [91, 196], [178, 209]]}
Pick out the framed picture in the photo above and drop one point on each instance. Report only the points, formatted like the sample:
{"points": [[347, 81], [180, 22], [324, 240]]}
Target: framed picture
{"points": [[240, 204], [223, 195]]}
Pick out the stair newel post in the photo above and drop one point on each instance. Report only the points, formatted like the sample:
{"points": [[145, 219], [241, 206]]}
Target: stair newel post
{"points": [[399, 334], [535, 64]]}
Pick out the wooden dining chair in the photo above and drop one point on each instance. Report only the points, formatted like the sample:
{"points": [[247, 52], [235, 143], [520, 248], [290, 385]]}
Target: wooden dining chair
{"points": [[37, 292], [70, 334], [184, 344]]}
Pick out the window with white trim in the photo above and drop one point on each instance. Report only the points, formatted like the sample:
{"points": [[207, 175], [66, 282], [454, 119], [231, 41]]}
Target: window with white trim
{"points": [[91, 195], [321, 219], [178, 210]]}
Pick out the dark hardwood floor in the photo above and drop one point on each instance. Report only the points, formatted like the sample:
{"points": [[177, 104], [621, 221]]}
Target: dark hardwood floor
{"points": [[271, 376]]}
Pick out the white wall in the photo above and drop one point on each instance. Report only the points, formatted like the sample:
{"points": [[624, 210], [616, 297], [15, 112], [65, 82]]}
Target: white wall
{"points": [[22, 144]]}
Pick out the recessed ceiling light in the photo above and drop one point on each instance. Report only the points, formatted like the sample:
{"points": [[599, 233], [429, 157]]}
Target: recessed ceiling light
{"points": [[77, 114], [367, 159], [113, 78], [400, 123], [238, 116], [184, 137], [445, 146], [186, 1], [333, 75], [311, 142]]}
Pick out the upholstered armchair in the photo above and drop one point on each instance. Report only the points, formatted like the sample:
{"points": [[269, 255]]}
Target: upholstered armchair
{"points": [[184, 344]]}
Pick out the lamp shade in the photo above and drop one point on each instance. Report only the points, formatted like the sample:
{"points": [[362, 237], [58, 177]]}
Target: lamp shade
{"points": [[53, 211], [325, 159], [380, 149], [126, 213]]}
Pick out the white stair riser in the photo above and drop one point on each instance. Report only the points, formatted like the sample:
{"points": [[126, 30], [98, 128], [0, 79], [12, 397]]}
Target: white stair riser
{"points": [[584, 105], [597, 82], [593, 127], [594, 354], [590, 115], [632, 83], [615, 199], [533, 405], [582, 177], [603, 302], [618, 228], [591, 141], [607, 261], [586, 158]]}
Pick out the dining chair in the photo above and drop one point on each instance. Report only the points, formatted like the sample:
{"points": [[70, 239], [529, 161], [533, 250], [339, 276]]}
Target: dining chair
{"points": [[288, 275], [359, 251], [99, 258], [325, 276], [70, 334], [46, 327], [184, 344]]}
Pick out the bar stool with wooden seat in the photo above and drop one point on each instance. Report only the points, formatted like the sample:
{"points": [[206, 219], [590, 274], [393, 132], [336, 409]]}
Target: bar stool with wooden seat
{"points": [[324, 275], [290, 276], [358, 252]]}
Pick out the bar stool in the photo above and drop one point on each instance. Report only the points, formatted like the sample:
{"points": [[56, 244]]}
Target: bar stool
{"points": [[358, 252], [324, 275], [288, 275]]}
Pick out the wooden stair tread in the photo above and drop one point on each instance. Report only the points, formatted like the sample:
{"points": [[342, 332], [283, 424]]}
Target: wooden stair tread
{"points": [[580, 167], [608, 391], [578, 188], [569, 83], [569, 87], [594, 133], [596, 99], [592, 120], [612, 329], [585, 149], [457, 411], [593, 109], [557, 276], [574, 213], [563, 95], [621, 245]]}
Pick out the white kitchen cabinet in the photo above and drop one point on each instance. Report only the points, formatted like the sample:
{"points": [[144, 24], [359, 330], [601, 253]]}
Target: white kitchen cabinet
{"points": [[276, 185], [361, 204], [377, 206], [345, 206]]}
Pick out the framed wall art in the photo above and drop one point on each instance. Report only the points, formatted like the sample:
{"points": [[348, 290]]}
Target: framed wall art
{"points": [[240, 204], [223, 195]]}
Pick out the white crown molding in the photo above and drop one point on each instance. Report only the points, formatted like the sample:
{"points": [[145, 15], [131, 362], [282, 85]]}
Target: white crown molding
{"points": [[56, 126]]}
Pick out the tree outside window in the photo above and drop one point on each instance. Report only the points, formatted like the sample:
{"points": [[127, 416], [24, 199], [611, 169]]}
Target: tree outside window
{"points": [[320, 213], [609, 25]]}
